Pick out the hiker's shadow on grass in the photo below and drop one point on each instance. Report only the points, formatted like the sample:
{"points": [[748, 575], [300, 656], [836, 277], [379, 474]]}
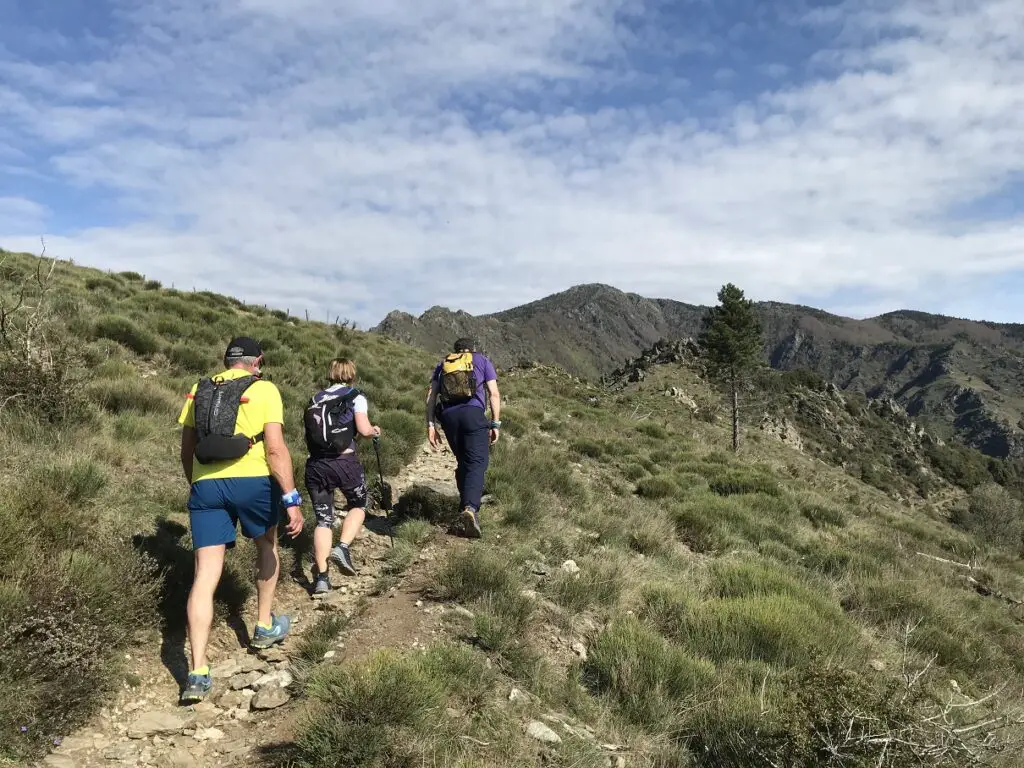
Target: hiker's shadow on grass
{"points": [[378, 523], [167, 547], [294, 550], [430, 502]]}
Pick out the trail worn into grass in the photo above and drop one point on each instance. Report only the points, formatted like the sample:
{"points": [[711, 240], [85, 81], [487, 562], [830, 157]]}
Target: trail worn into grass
{"points": [[251, 703]]}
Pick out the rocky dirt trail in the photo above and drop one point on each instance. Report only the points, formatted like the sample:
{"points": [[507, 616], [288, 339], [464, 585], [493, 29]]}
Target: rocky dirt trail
{"points": [[251, 701]]}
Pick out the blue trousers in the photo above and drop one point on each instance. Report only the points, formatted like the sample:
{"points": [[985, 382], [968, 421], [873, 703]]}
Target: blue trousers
{"points": [[467, 430]]}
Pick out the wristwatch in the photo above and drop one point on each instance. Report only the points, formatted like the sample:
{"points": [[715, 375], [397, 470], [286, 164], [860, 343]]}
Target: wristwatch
{"points": [[292, 499], [495, 425]]}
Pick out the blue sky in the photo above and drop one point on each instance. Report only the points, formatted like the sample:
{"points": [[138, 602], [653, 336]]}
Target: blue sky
{"points": [[351, 158]]}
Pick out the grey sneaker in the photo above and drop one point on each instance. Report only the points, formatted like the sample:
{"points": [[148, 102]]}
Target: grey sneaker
{"points": [[321, 585], [471, 523], [197, 688], [264, 638], [341, 557]]}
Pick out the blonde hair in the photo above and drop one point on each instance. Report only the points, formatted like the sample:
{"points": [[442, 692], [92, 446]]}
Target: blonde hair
{"points": [[342, 371]]}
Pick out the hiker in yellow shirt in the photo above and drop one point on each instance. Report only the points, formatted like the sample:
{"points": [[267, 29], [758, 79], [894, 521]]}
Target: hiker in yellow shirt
{"points": [[235, 458]]}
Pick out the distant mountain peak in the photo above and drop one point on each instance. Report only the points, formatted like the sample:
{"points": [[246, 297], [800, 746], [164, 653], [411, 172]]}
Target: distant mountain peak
{"points": [[592, 329]]}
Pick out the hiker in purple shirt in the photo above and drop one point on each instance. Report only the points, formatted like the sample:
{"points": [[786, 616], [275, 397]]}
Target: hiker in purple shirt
{"points": [[457, 398]]}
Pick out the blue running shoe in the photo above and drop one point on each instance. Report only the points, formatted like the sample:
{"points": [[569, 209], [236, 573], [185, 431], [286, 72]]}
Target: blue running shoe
{"points": [[321, 585], [197, 688], [342, 558], [264, 638]]}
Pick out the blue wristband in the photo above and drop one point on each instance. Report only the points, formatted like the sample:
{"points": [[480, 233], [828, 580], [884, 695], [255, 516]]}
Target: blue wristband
{"points": [[292, 499]]}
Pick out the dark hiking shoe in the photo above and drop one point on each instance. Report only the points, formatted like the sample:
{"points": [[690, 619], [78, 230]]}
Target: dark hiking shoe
{"points": [[197, 688], [341, 557], [264, 638], [471, 523], [321, 585]]}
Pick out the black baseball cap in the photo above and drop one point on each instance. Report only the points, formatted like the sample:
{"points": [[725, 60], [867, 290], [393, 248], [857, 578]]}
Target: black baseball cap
{"points": [[243, 346]]}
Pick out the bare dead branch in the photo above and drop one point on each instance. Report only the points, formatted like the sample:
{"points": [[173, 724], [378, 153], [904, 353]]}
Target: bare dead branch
{"points": [[23, 314], [968, 566]]}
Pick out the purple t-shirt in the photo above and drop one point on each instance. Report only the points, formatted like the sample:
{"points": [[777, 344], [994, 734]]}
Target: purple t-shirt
{"points": [[484, 371]]}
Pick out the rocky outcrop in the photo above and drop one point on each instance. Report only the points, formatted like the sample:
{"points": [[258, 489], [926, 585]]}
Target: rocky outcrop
{"points": [[780, 428], [662, 352], [682, 398]]}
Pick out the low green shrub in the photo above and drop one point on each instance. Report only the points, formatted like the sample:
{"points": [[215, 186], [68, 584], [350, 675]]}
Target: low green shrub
{"points": [[140, 395], [94, 586], [524, 508], [127, 333], [745, 578], [822, 515], [414, 532], [36, 390], [599, 583], [402, 434], [776, 629], [649, 532], [106, 284], [187, 358], [472, 574], [370, 714], [320, 638], [591, 449], [132, 426], [633, 472], [501, 620], [994, 515], [738, 481], [668, 606], [650, 680], [658, 487], [652, 429], [512, 423], [398, 559], [700, 528], [78, 481]]}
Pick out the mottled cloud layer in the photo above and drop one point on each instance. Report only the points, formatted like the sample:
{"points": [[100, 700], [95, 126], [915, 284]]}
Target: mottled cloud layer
{"points": [[356, 157]]}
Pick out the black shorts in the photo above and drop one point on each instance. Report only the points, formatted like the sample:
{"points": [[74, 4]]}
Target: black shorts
{"points": [[326, 475]]}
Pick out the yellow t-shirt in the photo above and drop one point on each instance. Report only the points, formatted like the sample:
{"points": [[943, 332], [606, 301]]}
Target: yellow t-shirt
{"points": [[261, 405]]}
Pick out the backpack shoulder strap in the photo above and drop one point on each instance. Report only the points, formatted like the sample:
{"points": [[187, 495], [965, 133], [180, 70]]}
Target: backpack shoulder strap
{"points": [[242, 389], [351, 395]]}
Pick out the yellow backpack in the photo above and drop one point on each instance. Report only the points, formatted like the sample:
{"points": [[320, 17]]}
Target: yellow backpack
{"points": [[458, 381]]}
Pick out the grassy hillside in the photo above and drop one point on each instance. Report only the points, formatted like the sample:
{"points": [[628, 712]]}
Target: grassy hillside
{"points": [[963, 379], [765, 609], [647, 597], [88, 424], [874, 440]]}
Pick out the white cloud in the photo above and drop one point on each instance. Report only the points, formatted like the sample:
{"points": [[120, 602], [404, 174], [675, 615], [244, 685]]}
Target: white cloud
{"points": [[18, 214], [375, 154]]}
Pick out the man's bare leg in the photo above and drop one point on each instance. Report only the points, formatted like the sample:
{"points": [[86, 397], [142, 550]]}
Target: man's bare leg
{"points": [[266, 580], [322, 539], [353, 523], [209, 563]]}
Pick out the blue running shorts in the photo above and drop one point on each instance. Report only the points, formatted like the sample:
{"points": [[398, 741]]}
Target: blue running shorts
{"points": [[217, 506]]}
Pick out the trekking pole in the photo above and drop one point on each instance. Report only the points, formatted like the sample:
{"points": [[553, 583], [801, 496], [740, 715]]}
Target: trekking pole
{"points": [[385, 491]]}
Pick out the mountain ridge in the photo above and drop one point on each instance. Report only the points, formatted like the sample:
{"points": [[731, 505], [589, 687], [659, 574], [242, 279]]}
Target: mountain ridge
{"points": [[963, 378]]}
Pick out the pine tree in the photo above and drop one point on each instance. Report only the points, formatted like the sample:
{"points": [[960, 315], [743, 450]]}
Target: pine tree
{"points": [[731, 344]]}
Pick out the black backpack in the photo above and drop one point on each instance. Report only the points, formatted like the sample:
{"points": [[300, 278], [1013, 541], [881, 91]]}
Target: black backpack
{"points": [[329, 422], [216, 411]]}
